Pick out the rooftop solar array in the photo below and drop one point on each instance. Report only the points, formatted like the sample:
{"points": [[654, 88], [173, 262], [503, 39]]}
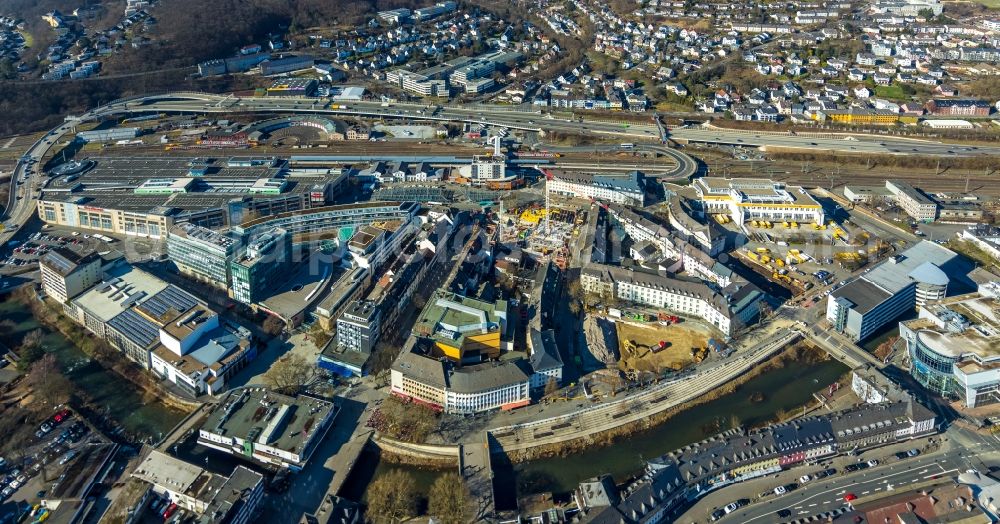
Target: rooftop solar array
{"points": [[59, 260], [136, 327], [171, 298]]}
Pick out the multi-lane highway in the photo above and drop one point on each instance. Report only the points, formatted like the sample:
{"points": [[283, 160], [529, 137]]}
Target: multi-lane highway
{"points": [[853, 143], [21, 203], [20, 209], [22, 200], [514, 119]]}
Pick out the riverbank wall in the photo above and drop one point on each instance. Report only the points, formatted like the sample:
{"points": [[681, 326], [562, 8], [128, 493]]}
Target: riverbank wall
{"points": [[49, 315], [422, 455], [597, 431]]}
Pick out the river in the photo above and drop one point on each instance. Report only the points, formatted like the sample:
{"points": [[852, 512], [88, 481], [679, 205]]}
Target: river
{"points": [[783, 389], [116, 397]]}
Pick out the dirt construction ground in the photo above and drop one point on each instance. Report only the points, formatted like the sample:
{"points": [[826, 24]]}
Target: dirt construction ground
{"points": [[683, 342]]}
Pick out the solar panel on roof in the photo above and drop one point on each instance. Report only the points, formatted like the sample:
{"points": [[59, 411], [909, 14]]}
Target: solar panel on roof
{"points": [[135, 327], [170, 298]]}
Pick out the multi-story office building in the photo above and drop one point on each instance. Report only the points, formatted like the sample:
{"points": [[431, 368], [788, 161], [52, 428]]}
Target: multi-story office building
{"points": [[373, 245], [706, 234], [359, 327], [952, 347], [65, 274], [261, 265], [471, 389], [918, 275], [546, 362], [914, 202], [620, 189], [728, 309], [644, 228], [263, 426], [202, 253], [347, 218], [164, 329], [744, 199]]}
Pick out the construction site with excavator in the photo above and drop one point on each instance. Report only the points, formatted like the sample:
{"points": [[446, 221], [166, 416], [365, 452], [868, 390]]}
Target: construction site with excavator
{"points": [[799, 256]]}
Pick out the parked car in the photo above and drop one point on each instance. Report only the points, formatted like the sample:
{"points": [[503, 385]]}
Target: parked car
{"points": [[780, 490], [61, 416], [67, 457], [804, 478], [913, 452], [717, 514], [872, 463]]}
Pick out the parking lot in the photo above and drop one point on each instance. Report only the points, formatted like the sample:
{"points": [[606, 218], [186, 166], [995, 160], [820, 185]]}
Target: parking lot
{"points": [[46, 465], [24, 256]]}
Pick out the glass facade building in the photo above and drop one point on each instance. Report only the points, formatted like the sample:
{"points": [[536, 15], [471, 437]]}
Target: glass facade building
{"points": [[202, 253], [260, 266]]}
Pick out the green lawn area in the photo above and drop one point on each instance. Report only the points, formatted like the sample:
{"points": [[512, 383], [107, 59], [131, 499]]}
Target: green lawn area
{"points": [[992, 4], [892, 92]]}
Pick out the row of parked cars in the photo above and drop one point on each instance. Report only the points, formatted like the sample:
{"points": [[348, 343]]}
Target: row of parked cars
{"points": [[164, 508], [56, 450], [804, 479]]}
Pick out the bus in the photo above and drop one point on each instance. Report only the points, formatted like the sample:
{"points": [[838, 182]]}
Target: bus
{"points": [[627, 146]]}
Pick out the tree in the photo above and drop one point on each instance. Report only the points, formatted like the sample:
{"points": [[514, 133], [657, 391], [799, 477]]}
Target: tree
{"points": [[448, 499], [391, 497], [551, 386], [381, 362], [574, 290], [30, 350], [574, 307], [289, 374], [318, 336], [272, 325], [46, 380]]}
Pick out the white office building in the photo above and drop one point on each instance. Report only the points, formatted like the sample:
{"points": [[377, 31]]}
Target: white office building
{"points": [[745, 199], [619, 189]]}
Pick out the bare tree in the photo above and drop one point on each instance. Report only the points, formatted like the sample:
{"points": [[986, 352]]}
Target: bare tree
{"points": [[551, 386], [48, 383], [391, 497], [30, 350], [273, 325], [290, 374], [448, 499]]}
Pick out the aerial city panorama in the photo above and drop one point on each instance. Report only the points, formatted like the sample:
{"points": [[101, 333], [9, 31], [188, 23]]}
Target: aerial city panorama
{"points": [[499, 261]]}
